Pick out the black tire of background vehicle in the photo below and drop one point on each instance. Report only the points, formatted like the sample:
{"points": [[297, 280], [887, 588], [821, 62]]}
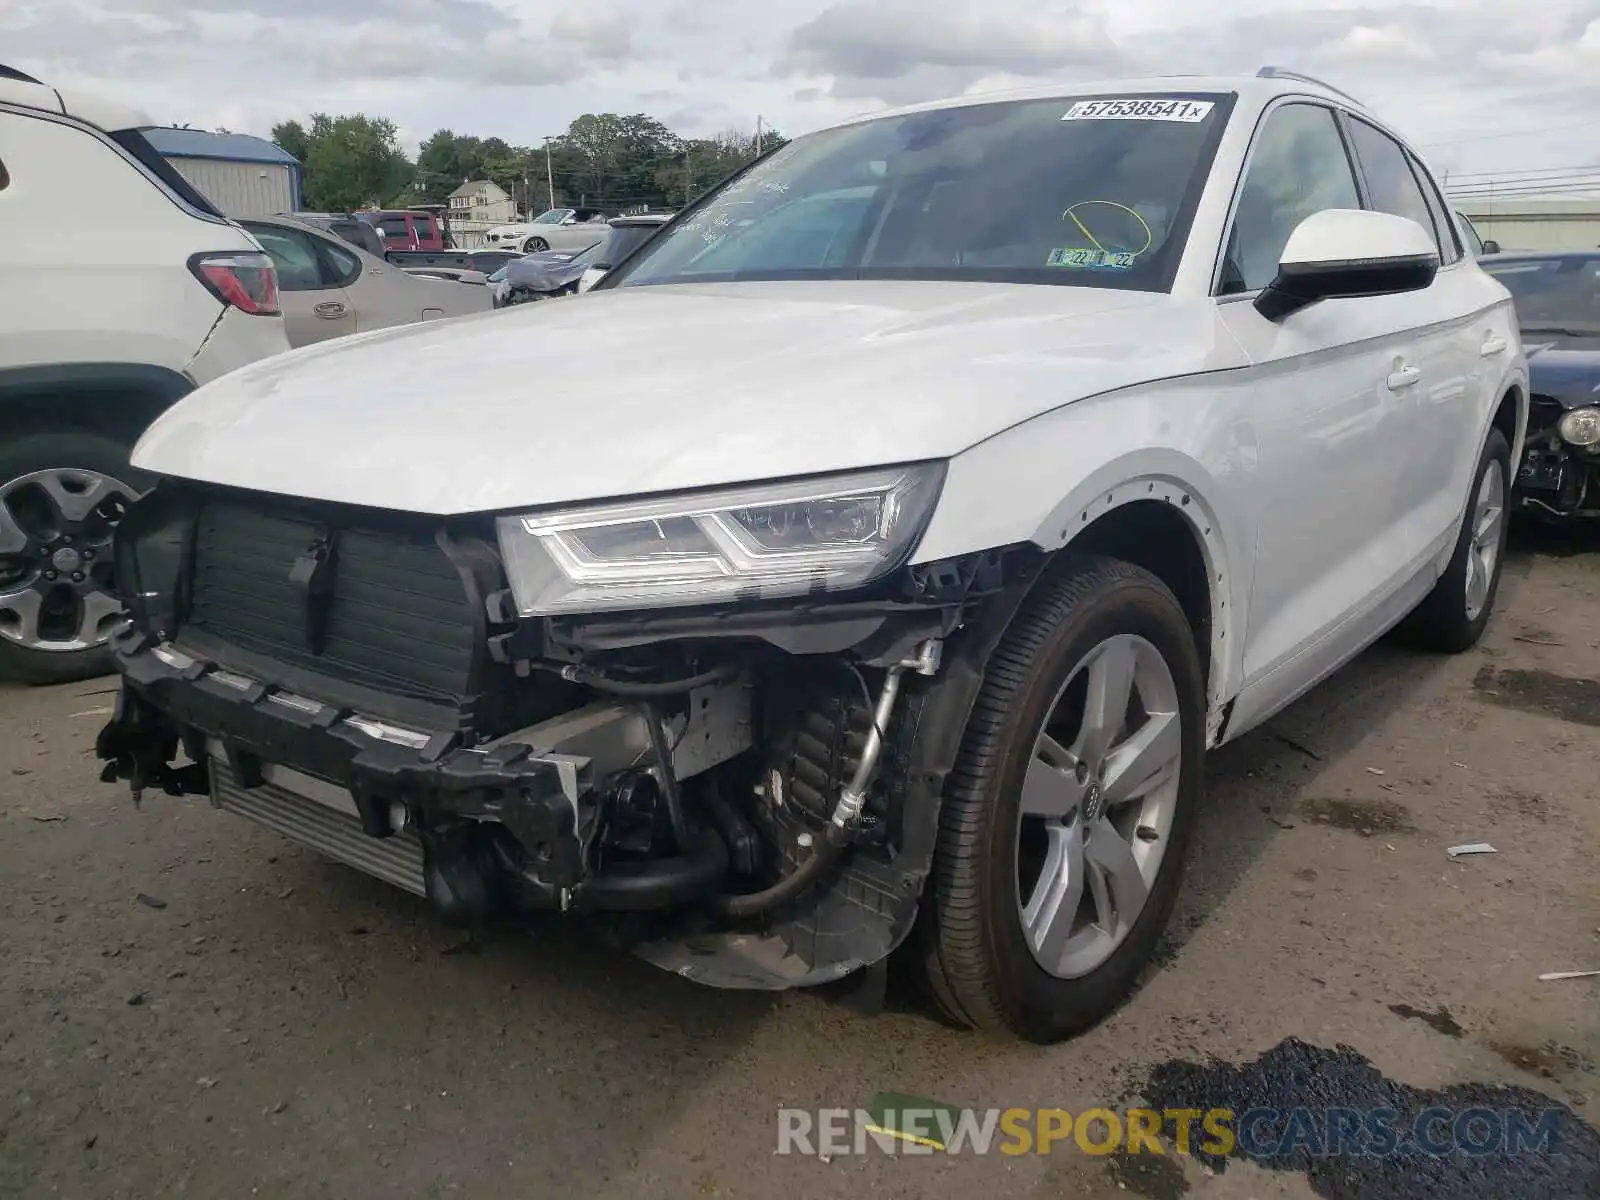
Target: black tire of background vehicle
{"points": [[974, 960], [1440, 622], [535, 245], [39, 451]]}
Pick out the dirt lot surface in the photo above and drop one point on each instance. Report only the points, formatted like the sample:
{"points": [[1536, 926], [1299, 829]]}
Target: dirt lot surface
{"points": [[190, 1006]]}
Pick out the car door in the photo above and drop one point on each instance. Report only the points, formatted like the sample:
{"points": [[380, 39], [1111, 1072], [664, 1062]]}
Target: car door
{"points": [[383, 296], [1333, 418], [315, 305], [1455, 343]]}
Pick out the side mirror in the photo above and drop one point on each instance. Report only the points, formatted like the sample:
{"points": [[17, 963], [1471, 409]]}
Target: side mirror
{"points": [[1342, 253], [592, 276], [1490, 246]]}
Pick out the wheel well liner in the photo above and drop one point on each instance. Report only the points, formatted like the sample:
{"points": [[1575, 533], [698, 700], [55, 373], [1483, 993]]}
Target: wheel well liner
{"points": [[117, 399], [1152, 534], [1509, 415]]}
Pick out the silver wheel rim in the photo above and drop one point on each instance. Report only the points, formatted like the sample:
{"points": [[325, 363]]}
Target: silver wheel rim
{"points": [[57, 592], [537, 246], [1483, 542], [1097, 805]]}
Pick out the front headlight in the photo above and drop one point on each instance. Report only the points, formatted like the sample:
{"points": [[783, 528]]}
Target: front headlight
{"points": [[1580, 427], [751, 543]]}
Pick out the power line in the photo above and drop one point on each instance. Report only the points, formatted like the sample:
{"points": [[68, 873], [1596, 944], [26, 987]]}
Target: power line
{"points": [[1510, 133]]}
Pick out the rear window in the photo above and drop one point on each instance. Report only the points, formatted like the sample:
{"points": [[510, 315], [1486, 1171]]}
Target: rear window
{"points": [[136, 144]]}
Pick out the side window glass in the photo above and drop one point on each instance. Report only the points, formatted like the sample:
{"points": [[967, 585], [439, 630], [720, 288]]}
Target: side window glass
{"points": [[293, 255], [1391, 186], [342, 265], [1297, 167], [1444, 227], [5, 179]]}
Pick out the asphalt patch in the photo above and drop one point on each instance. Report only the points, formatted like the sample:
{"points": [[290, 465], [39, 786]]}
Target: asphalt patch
{"points": [[1574, 700], [1287, 1105], [1154, 1178], [1441, 1021], [1365, 817]]}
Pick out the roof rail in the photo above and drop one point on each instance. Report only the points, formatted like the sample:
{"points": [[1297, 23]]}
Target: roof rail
{"points": [[1280, 73]]}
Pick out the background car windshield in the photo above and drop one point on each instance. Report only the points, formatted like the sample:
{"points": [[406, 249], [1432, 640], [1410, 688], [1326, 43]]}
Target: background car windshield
{"points": [[1553, 294], [1086, 191], [554, 217]]}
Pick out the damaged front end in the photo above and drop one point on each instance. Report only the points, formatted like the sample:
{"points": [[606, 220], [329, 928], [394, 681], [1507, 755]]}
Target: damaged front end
{"points": [[1559, 478], [742, 790]]}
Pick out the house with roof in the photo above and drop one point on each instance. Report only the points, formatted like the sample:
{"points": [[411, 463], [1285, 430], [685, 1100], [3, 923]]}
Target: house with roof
{"points": [[243, 176], [477, 206]]}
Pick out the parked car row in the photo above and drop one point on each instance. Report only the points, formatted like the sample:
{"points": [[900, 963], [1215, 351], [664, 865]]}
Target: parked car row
{"points": [[553, 274], [943, 487]]}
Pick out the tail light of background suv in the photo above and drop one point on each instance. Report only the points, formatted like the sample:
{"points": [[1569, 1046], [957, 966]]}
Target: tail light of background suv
{"points": [[244, 279]]}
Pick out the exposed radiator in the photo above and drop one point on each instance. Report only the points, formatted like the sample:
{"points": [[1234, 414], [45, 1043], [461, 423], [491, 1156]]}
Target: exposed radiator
{"points": [[399, 618], [321, 827]]}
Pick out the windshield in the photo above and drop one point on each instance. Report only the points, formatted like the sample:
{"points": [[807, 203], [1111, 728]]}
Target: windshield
{"points": [[1093, 192], [624, 238], [554, 217], [1557, 296]]}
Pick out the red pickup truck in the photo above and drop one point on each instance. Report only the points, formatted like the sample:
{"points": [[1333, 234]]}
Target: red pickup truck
{"points": [[408, 229]]}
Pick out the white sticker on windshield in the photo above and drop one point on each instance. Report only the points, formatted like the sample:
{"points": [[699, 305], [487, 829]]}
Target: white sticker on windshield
{"points": [[1148, 108]]}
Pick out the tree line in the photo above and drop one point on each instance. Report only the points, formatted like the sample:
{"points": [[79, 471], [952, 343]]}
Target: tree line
{"points": [[609, 161]]}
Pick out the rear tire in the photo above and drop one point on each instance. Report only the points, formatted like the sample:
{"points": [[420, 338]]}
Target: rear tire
{"points": [[1453, 616], [62, 493], [985, 934]]}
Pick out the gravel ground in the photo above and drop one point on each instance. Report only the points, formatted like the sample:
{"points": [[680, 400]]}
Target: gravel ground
{"points": [[191, 1006]]}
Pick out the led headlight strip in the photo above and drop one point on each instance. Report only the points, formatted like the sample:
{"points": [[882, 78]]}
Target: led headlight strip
{"points": [[762, 541]]}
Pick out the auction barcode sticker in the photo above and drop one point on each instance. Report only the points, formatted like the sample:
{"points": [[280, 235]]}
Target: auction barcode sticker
{"points": [[1148, 108]]}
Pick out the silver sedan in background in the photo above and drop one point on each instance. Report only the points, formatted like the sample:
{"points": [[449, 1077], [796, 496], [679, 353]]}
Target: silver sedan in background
{"points": [[329, 288]]}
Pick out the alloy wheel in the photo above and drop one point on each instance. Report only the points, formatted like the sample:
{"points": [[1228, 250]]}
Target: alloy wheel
{"points": [[57, 585], [1097, 805], [1484, 541]]}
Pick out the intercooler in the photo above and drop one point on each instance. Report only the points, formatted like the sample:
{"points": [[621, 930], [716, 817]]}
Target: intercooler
{"points": [[322, 818]]}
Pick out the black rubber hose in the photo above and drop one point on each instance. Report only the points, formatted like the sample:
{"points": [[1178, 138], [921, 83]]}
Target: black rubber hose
{"points": [[627, 687], [669, 777], [799, 881], [659, 883]]}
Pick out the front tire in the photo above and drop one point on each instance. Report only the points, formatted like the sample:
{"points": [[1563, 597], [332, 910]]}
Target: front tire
{"points": [[1067, 819], [62, 494], [536, 245], [1453, 616]]}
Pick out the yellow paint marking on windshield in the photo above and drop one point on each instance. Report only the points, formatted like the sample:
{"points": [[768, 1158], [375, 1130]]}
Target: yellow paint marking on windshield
{"points": [[1071, 215]]}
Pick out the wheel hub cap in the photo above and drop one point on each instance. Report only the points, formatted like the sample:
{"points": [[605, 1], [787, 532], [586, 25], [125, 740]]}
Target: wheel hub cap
{"points": [[1092, 796], [67, 560]]}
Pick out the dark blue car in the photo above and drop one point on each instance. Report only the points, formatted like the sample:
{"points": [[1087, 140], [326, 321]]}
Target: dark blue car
{"points": [[1558, 307]]}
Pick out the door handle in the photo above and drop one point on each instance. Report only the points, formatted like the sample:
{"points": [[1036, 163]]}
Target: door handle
{"points": [[329, 310], [1403, 378], [1492, 345]]}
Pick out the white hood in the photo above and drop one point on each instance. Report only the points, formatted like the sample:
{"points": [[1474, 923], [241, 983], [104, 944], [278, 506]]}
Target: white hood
{"points": [[657, 389]]}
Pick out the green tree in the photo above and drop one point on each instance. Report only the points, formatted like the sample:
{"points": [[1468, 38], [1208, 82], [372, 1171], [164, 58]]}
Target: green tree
{"points": [[291, 137], [608, 158], [352, 162]]}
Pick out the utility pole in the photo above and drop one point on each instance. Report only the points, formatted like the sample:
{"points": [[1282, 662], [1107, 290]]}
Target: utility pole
{"points": [[549, 173]]}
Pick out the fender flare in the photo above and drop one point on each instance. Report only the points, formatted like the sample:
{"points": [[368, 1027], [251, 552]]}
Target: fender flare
{"points": [[157, 388], [1226, 546]]}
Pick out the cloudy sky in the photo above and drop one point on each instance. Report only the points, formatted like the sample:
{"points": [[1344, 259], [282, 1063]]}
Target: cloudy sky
{"points": [[1482, 86]]}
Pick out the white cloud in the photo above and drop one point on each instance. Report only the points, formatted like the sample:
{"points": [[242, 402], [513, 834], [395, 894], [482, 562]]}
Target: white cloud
{"points": [[1379, 44], [1481, 87]]}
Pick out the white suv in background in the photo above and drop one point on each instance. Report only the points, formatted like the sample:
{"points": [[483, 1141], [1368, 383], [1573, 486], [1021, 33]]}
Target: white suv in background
{"points": [[153, 293]]}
